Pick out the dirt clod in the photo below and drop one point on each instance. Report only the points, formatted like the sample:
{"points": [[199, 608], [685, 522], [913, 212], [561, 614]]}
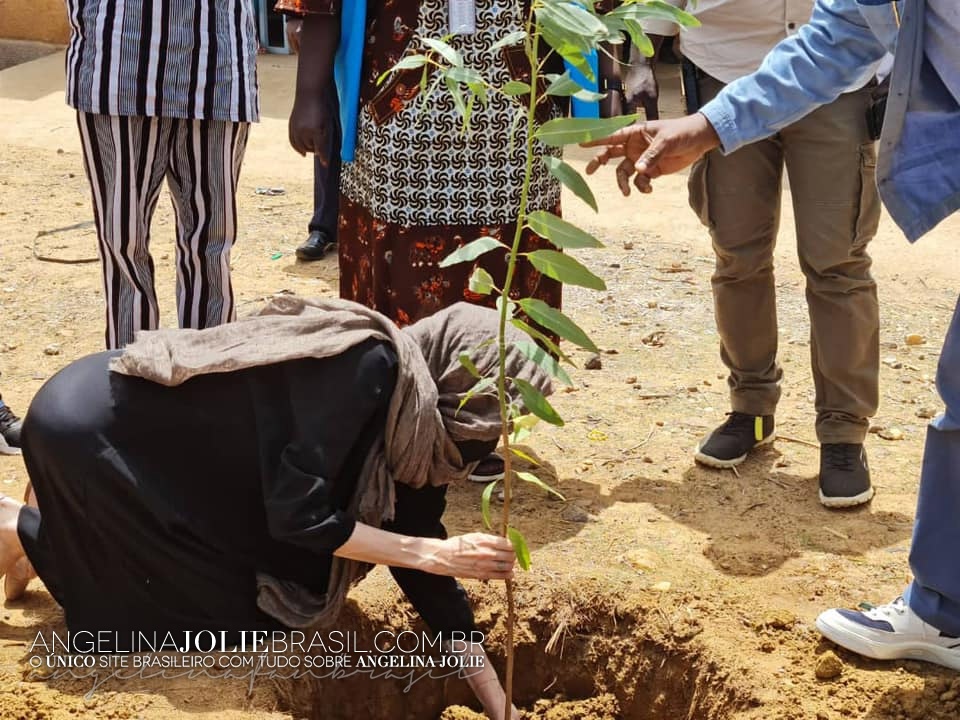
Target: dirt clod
{"points": [[575, 513], [829, 666], [778, 620], [593, 363]]}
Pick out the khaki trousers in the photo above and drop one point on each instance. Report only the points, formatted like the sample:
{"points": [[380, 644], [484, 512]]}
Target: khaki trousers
{"points": [[831, 164]]}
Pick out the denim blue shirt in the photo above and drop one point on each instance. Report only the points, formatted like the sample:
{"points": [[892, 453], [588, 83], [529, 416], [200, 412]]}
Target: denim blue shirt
{"points": [[918, 171]]}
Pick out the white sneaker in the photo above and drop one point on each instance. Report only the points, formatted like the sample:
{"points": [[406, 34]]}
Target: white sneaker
{"points": [[890, 632], [489, 469]]}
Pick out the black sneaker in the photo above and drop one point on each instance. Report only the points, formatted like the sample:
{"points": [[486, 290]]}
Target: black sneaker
{"points": [[9, 432], [730, 443], [487, 470], [844, 475], [317, 246]]}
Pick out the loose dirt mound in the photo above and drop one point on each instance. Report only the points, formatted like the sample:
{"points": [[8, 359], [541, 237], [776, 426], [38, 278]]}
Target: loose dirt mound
{"points": [[593, 661]]}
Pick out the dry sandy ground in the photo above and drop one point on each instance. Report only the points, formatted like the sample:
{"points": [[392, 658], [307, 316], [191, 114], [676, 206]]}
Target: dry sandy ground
{"points": [[672, 591]]}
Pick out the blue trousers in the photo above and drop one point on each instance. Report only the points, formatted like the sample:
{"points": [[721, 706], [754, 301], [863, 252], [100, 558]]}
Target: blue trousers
{"points": [[326, 178], [934, 594]]}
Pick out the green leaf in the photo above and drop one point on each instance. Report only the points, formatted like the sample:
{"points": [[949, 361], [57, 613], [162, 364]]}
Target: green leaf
{"points": [[514, 38], [565, 269], [576, 56], [519, 547], [520, 453], [589, 96], [541, 357], [406, 63], [526, 421], [469, 365], [481, 282], [518, 436], [515, 87], [563, 86], [485, 504], [480, 387], [534, 480], [457, 94], [560, 232], [572, 179], [572, 22], [522, 426], [480, 91], [639, 38], [431, 91], [555, 321], [447, 52], [536, 403], [573, 32], [468, 113], [655, 9], [566, 131], [542, 339], [467, 76], [472, 250]]}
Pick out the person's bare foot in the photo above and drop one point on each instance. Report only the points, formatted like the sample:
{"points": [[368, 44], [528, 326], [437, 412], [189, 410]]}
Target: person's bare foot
{"points": [[17, 578], [11, 551]]}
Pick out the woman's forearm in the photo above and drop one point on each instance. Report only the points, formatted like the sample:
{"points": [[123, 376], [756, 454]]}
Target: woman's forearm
{"points": [[474, 555], [381, 547]]}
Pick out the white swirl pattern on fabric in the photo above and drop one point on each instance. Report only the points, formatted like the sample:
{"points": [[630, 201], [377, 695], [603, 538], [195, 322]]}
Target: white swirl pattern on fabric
{"points": [[418, 168]]}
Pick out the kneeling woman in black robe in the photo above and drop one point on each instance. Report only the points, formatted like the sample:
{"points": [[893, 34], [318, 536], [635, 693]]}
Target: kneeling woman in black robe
{"points": [[244, 477]]}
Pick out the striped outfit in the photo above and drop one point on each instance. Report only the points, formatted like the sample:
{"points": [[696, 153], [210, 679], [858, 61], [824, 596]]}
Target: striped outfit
{"points": [[164, 89]]}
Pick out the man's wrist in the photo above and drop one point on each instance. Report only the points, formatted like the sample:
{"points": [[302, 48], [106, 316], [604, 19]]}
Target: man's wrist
{"points": [[708, 133]]}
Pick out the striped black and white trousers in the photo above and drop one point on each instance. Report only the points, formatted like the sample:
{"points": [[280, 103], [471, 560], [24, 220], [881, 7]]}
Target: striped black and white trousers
{"points": [[127, 160]]}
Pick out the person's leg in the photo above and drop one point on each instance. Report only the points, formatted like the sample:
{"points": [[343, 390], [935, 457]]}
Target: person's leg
{"points": [[640, 86], [738, 198], [611, 80], [322, 230], [935, 592], [61, 449], [831, 163], [125, 160], [204, 168], [11, 549], [925, 624]]}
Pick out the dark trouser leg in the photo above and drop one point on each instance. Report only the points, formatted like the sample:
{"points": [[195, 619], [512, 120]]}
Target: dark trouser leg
{"points": [[935, 592], [326, 178]]}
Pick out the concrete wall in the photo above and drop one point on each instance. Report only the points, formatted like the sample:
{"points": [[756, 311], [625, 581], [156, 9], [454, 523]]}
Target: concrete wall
{"points": [[41, 20]]}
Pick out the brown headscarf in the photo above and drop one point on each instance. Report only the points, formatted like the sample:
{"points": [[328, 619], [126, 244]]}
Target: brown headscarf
{"points": [[424, 421]]}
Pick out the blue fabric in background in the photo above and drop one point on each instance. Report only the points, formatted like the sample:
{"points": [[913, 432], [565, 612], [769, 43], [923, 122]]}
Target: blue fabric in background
{"points": [[347, 69], [585, 108]]}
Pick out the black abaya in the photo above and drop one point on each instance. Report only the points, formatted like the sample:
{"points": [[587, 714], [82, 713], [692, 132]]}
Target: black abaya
{"points": [[159, 505]]}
